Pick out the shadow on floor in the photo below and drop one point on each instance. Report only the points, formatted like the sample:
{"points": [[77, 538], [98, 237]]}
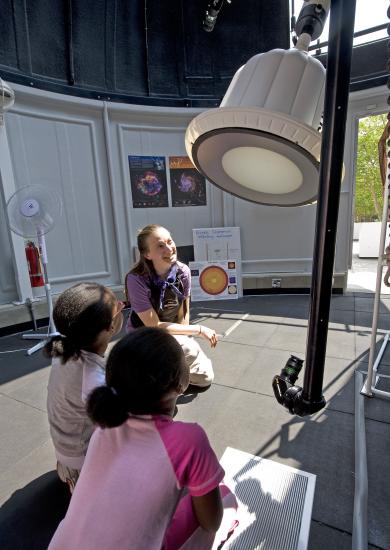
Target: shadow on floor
{"points": [[30, 516], [15, 363]]}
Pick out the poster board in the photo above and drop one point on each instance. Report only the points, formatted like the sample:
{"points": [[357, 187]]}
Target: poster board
{"points": [[188, 186], [219, 244], [214, 280], [148, 181]]}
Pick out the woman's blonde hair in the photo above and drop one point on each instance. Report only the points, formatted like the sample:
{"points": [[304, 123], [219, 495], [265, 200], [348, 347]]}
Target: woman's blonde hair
{"points": [[143, 266]]}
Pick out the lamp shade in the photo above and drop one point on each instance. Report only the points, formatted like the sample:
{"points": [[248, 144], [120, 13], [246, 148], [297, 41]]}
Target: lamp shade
{"points": [[263, 143]]}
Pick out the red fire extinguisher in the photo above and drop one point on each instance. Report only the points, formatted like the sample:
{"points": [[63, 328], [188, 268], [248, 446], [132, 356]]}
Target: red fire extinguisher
{"points": [[34, 264]]}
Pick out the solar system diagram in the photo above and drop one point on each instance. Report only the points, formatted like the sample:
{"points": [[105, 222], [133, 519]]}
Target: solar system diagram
{"points": [[214, 280], [220, 246]]}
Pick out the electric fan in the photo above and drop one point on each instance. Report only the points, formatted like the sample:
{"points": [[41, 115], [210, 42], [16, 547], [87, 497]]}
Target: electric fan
{"points": [[32, 212]]}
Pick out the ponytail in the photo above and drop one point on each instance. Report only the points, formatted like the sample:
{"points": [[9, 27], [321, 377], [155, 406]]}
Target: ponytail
{"points": [[105, 408], [62, 346]]}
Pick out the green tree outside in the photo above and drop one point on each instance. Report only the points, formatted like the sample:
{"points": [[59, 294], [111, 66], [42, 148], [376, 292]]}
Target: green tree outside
{"points": [[368, 189]]}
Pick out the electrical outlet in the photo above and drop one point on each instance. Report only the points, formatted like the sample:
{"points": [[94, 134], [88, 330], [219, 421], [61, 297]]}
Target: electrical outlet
{"points": [[276, 283]]}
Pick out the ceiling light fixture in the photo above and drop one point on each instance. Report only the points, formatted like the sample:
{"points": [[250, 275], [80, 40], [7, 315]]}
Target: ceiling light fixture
{"points": [[270, 116]]}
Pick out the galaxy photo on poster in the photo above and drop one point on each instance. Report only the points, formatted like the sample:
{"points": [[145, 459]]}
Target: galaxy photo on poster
{"points": [[188, 187], [148, 182]]}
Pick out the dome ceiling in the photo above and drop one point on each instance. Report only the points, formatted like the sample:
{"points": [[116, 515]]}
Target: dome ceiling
{"points": [[149, 52]]}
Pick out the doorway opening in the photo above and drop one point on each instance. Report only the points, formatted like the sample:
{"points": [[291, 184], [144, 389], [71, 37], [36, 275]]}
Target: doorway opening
{"points": [[368, 206]]}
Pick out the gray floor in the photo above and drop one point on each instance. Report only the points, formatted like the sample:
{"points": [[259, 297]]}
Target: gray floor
{"points": [[239, 411]]}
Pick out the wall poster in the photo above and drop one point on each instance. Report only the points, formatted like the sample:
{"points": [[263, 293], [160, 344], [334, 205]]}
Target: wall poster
{"points": [[148, 181], [188, 186], [214, 280], [217, 244]]}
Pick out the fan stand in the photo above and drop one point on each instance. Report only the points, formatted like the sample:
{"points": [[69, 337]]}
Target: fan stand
{"points": [[32, 210], [52, 331]]}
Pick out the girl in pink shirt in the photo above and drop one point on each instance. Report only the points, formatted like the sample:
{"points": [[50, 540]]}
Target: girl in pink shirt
{"points": [[148, 482]]}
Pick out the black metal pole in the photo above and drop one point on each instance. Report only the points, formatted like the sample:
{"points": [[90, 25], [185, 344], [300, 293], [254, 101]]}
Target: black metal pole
{"points": [[342, 16]]}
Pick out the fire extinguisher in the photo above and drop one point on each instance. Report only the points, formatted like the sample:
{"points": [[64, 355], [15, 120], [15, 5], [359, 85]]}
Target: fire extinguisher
{"points": [[34, 264]]}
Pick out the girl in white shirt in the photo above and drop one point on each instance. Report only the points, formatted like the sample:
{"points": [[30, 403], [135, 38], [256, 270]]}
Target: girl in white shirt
{"points": [[87, 315]]}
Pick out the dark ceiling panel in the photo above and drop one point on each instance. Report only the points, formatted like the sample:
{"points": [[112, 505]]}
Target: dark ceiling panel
{"points": [[8, 51], [47, 49], [89, 41], [369, 64], [162, 36], [130, 50], [242, 30]]}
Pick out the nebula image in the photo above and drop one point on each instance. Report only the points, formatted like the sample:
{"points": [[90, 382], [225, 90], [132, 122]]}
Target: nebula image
{"points": [[187, 183], [188, 186], [149, 184]]}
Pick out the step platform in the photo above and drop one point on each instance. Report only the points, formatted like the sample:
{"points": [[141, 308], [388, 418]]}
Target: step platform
{"points": [[275, 503]]}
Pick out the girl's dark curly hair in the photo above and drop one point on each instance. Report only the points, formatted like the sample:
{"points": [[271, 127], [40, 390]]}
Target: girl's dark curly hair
{"points": [[80, 314], [141, 368]]}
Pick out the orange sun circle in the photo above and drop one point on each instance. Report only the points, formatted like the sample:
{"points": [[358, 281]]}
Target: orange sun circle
{"points": [[213, 280]]}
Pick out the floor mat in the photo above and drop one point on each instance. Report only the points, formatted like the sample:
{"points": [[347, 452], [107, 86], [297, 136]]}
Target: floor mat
{"points": [[275, 502]]}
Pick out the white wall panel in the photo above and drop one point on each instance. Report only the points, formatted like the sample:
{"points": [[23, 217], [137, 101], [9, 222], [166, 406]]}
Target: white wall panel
{"points": [[8, 290], [66, 152], [14, 262], [275, 239]]}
